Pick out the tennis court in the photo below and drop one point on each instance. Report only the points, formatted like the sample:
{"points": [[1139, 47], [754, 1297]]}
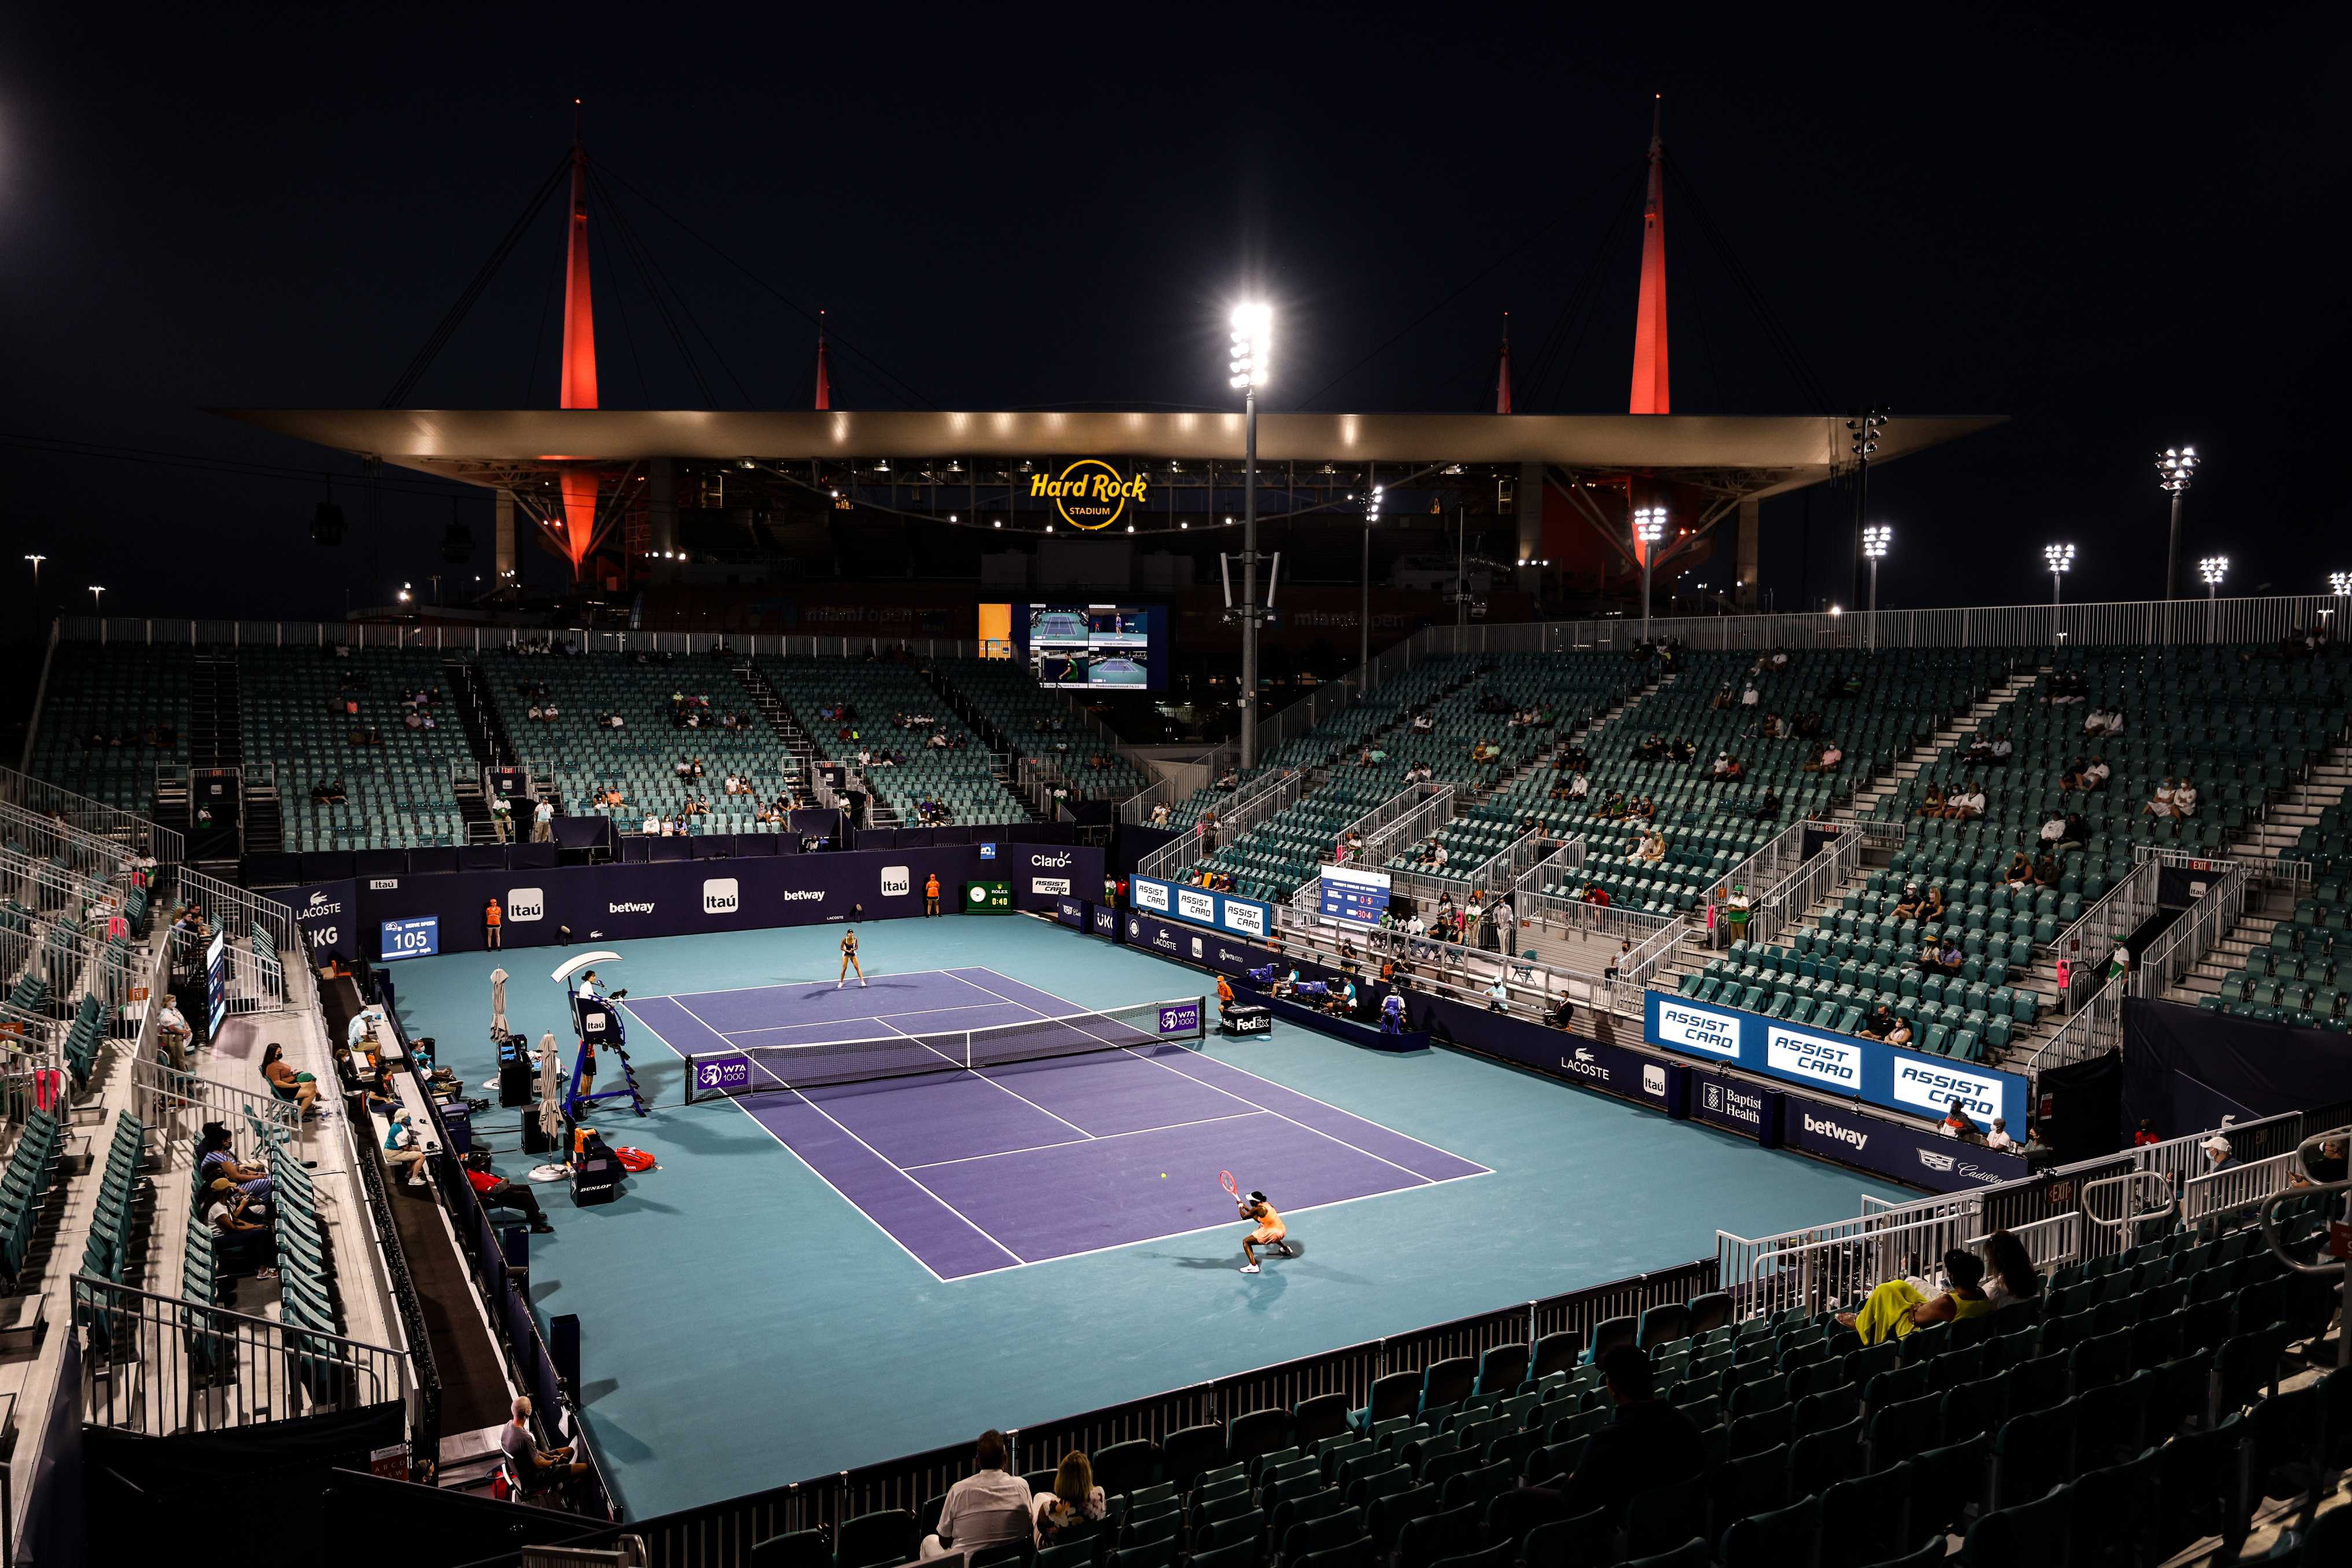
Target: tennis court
{"points": [[1089, 1131]]}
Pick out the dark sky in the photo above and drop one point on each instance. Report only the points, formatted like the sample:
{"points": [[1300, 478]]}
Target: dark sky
{"points": [[2109, 226]]}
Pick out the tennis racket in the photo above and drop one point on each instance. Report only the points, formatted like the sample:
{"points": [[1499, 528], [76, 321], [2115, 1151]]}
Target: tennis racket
{"points": [[1225, 1180]]}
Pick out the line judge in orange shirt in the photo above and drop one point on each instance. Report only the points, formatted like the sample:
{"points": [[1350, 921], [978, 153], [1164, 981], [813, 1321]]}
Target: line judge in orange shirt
{"points": [[931, 894]]}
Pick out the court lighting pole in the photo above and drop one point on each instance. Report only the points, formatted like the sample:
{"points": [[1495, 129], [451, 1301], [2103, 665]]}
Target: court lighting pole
{"points": [[1253, 325], [2174, 467], [1364, 658], [1875, 540], [1649, 527]]}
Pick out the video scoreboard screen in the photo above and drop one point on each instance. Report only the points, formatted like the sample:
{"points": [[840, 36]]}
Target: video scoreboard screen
{"points": [[1120, 646]]}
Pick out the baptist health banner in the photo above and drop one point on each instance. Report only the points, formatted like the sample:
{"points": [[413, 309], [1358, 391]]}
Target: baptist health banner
{"points": [[1909, 1082], [1199, 906]]}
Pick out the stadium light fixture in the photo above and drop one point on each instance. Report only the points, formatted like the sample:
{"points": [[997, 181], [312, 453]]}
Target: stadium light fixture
{"points": [[2340, 583], [1649, 527], [95, 590], [1253, 324], [2060, 559], [37, 560], [2211, 570], [2176, 469]]}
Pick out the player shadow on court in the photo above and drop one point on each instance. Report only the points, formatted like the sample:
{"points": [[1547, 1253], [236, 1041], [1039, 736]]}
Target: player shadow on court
{"points": [[1270, 1268]]}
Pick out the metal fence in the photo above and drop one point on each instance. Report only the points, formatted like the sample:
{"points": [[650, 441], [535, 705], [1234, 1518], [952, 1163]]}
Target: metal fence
{"points": [[180, 1103], [160, 1364], [1247, 809], [234, 909], [2095, 1028], [2188, 940], [133, 834], [1840, 1265], [1452, 970], [1783, 906], [721, 1534]]}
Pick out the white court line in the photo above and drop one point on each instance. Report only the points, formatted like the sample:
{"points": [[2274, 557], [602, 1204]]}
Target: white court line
{"points": [[862, 1144], [1238, 1100], [1202, 1229], [1095, 1138], [983, 1078]]}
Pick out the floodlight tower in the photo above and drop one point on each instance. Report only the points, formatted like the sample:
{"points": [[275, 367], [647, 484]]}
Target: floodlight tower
{"points": [[2176, 466], [1253, 327], [1649, 527], [2060, 559]]}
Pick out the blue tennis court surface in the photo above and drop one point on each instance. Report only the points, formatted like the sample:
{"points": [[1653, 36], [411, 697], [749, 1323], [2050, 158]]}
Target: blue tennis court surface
{"points": [[956, 1166]]}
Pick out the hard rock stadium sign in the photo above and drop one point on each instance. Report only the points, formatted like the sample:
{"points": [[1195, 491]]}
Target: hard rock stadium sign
{"points": [[1090, 493]]}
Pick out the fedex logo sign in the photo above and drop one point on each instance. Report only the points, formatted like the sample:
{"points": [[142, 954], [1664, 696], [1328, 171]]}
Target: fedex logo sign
{"points": [[1696, 1029], [1834, 1062]]}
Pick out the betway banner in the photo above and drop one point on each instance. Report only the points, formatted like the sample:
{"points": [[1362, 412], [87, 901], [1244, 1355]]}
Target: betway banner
{"points": [[1909, 1082], [1918, 1155], [1245, 918]]}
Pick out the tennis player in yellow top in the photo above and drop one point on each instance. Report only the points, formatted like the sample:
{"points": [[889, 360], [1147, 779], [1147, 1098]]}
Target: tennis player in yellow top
{"points": [[849, 959], [1270, 1230]]}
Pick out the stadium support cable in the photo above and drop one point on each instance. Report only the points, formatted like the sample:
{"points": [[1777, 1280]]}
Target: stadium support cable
{"points": [[457, 314]]}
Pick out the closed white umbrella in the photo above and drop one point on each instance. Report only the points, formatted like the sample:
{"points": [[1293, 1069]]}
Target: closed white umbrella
{"points": [[499, 1001], [550, 1104]]}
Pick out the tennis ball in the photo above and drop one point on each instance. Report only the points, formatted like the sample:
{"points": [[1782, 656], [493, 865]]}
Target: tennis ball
{"points": [[1163, 1175]]}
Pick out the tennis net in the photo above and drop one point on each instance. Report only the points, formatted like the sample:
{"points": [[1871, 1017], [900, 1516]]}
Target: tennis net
{"points": [[759, 1069]]}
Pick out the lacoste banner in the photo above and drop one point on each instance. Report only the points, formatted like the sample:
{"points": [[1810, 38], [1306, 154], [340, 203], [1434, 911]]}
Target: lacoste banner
{"points": [[1910, 1082]]}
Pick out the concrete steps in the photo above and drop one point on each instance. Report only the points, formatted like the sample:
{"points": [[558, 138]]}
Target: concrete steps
{"points": [[1866, 802]]}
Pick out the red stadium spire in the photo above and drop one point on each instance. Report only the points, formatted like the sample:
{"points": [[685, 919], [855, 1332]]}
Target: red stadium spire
{"points": [[824, 367], [578, 389], [1650, 387], [1503, 372]]}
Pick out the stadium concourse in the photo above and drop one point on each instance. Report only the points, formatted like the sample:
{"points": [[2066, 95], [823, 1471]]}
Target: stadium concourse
{"points": [[2009, 843]]}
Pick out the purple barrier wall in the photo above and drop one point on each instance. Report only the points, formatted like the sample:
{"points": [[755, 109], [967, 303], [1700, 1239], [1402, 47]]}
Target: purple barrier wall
{"points": [[679, 897]]}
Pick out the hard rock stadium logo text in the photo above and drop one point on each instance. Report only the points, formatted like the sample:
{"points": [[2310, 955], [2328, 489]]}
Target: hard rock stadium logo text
{"points": [[1090, 493]]}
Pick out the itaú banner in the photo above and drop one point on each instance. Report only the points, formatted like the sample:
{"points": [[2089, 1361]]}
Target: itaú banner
{"points": [[1245, 918], [1909, 1082]]}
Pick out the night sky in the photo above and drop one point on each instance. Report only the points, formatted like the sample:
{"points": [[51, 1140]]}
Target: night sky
{"points": [[2110, 227]]}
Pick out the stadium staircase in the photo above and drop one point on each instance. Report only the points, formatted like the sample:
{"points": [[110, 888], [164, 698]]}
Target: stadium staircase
{"points": [[778, 717], [2280, 833], [215, 739], [1866, 802], [486, 736]]}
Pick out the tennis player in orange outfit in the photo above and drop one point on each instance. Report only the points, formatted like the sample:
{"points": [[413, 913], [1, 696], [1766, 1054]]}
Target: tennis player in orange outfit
{"points": [[1270, 1230]]}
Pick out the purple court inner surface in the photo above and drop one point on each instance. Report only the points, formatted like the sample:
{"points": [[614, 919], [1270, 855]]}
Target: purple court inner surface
{"points": [[950, 1165]]}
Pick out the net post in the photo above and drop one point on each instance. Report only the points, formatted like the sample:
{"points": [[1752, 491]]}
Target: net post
{"points": [[690, 1081], [1201, 1018]]}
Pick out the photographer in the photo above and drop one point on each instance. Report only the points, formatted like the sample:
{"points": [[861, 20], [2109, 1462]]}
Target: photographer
{"points": [[403, 1147]]}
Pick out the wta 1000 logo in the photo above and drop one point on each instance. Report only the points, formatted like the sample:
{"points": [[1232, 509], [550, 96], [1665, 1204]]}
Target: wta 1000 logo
{"points": [[728, 1075], [1183, 1019]]}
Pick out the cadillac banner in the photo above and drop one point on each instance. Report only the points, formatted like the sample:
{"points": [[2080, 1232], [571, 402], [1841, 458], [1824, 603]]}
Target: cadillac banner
{"points": [[1911, 1083]]}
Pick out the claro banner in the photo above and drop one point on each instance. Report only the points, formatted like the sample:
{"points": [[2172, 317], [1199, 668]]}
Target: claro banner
{"points": [[608, 903], [1909, 1082]]}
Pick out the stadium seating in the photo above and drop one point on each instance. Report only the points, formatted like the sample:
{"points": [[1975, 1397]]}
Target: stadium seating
{"points": [[298, 710], [102, 700], [964, 780], [1018, 716]]}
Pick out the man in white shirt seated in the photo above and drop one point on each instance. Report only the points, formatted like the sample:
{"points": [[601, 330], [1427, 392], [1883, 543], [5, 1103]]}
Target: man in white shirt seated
{"points": [[2096, 776], [2184, 800], [2053, 828], [2001, 750], [983, 1509], [2161, 804], [1999, 1137]]}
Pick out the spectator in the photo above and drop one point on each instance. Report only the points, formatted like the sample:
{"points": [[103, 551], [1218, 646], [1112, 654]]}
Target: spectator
{"points": [[2184, 801], [1899, 1032], [496, 1192], [542, 823], [1498, 996], [1880, 1024], [218, 1167], [2161, 804], [1649, 1444], [1956, 1122], [239, 1241], [2021, 871], [402, 1149], [2053, 827], [298, 1089], [1074, 1501], [2218, 1153], [1999, 1137], [1912, 901], [536, 1470], [2096, 776], [985, 1506], [502, 818], [171, 1030], [2001, 750], [2010, 1274], [2146, 1135], [1898, 1306]]}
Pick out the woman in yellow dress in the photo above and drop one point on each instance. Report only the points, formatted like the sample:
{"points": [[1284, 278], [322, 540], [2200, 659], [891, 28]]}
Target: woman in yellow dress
{"points": [[1897, 1306]]}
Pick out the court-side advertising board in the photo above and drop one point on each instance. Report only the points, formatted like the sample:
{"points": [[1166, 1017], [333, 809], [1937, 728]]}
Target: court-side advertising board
{"points": [[1355, 895], [1911, 1083], [1202, 907]]}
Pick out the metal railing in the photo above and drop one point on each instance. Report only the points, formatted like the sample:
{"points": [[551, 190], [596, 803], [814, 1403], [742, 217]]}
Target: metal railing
{"points": [[2188, 940], [133, 834], [2085, 945], [1634, 970], [721, 1534], [162, 1364], [1453, 969], [232, 909], [1784, 905], [1250, 806], [1841, 1268], [2095, 1028], [180, 1103], [2245, 1186], [2051, 1243]]}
